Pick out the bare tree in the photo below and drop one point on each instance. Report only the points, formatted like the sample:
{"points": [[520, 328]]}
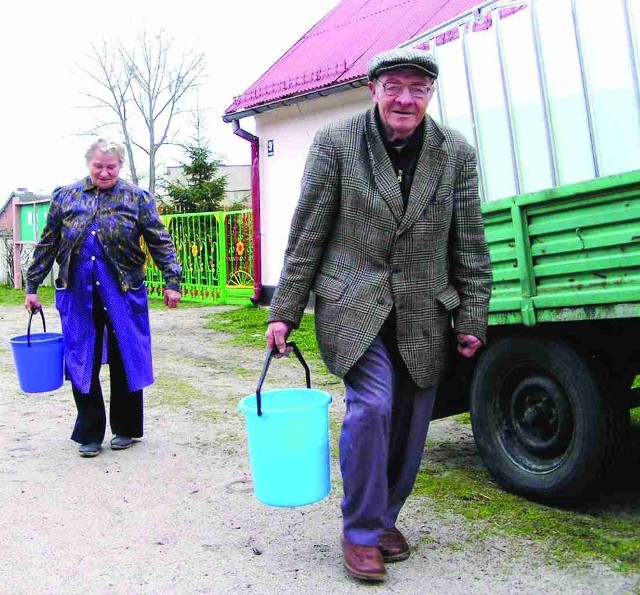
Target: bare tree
{"points": [[113, 80], [143, 88]]}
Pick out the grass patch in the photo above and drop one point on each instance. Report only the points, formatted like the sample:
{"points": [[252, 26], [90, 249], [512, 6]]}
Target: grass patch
{"points": [[10, 296], [173, 391], [463, 418], [246, 326], [157, 303], [7, 368], [635, 416], [567, 535]]}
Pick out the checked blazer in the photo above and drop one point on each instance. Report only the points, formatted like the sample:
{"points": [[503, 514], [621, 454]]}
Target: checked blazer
{"points": [[353, 243]]}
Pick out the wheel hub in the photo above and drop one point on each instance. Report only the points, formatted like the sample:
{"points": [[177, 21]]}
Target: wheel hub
{"points": [[541, 416], [534, 416]]}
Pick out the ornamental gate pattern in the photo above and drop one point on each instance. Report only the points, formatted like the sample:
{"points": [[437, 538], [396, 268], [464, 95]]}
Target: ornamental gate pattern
{"points": [[215, 251]]}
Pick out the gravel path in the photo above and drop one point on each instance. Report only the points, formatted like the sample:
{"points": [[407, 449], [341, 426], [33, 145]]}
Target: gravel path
{"points": [[176, 513]]}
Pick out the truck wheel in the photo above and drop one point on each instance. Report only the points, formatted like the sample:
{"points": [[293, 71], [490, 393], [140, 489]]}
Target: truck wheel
{"points": [[540, 422]]}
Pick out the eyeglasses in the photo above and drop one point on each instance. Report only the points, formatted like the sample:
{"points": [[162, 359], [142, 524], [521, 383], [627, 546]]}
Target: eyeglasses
{"points": [[396, 89]]}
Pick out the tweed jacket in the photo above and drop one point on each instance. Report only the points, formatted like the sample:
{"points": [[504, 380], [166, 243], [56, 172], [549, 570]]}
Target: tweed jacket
{"points": [[353, 243]]}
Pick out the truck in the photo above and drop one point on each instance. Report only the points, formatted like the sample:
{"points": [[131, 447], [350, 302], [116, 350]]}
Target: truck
{"points": [[549, 93]]}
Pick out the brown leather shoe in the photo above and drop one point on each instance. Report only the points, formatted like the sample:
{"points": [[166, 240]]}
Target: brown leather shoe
{"points": [[393, 546], [363, 562]]}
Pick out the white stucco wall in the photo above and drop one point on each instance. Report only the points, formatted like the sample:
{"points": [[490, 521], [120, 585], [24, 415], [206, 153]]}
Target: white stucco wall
{"points": [[291, 130]]}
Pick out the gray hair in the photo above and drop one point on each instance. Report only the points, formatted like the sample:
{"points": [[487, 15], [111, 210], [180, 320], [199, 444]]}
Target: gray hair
{"points": [[104, 145]]}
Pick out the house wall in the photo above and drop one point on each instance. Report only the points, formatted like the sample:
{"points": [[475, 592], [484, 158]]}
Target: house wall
{"points": [[6, 218], [31, 218], [238, 183], [290, 131]]}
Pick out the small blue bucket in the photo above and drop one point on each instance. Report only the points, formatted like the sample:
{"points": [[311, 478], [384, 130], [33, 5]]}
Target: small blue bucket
{"points": [[38, 358], [288, 441]]}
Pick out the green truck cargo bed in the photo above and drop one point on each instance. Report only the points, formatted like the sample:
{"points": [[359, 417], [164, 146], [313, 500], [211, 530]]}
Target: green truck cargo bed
{"points": [[566, 254]]}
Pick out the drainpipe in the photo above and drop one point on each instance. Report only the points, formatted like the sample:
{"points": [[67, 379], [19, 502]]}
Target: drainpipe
{"points": [[255, 208]]}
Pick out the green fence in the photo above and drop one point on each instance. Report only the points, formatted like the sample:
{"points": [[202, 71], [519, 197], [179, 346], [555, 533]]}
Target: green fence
{"points": [[216, 253]]}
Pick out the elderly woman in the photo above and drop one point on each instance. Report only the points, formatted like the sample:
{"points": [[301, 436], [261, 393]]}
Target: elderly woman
{"points": [[93, 231]]}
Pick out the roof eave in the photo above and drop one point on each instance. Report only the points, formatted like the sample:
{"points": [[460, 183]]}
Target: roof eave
{"points": [[323, 92]]}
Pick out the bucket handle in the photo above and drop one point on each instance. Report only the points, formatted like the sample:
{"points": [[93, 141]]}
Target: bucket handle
{"points": [[44, 324], [267, 361]]}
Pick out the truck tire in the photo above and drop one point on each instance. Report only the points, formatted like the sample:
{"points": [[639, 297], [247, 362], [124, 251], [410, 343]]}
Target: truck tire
{"points": [[541, 424]]}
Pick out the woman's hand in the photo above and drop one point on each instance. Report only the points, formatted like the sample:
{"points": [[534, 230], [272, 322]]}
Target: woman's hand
{"points": [[31, 302], [171, 298]]}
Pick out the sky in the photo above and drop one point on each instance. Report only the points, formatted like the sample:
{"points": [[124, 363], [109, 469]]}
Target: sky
{"points": [[44, 43]]}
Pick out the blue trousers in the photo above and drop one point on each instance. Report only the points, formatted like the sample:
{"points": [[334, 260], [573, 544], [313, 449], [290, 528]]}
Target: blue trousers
{"points": [[382, 441]]}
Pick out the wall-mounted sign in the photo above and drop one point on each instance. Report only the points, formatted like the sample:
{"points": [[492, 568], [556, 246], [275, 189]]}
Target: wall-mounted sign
{"points": [[270, 148]]}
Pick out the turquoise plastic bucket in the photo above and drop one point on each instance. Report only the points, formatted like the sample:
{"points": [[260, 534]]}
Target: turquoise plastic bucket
{"points": [[288, 443], [38, 359]]}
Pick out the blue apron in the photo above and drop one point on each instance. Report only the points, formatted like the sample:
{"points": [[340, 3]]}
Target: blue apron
{"points": [[128, 313]]}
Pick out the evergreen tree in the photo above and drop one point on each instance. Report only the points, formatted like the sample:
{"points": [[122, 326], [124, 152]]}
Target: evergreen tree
{"points": [[204, 190]]}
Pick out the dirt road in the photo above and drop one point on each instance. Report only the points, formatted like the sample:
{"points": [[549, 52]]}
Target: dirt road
{"points": [[176, 513]]}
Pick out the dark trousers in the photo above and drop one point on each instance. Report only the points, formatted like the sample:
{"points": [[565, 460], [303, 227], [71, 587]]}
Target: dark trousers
{"points": [[382, 441], [125, 408]]}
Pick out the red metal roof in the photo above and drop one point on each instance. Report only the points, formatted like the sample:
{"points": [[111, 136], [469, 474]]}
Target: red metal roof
{"points": [[337, 49]]}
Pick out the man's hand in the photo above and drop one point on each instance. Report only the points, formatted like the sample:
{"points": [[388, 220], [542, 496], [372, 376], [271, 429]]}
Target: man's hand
{"points": [[31, 302], [171, 298], [277, 333], [468, 344]]}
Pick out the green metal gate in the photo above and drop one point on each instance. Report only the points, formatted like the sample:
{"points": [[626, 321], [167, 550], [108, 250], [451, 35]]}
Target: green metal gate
{"points": [[215, 251]]}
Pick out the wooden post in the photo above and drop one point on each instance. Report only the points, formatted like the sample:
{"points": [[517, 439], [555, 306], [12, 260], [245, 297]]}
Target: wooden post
{"points": [[17, 246]]}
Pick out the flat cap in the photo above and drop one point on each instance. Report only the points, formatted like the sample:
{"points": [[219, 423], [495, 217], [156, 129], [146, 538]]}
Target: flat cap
{"points": [[402, 58]]}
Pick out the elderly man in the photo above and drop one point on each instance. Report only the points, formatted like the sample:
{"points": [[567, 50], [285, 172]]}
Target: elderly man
{"points": [[389, 236]]}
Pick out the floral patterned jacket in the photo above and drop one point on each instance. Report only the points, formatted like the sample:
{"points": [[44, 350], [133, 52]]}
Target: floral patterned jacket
{"points": [[124, 214]]}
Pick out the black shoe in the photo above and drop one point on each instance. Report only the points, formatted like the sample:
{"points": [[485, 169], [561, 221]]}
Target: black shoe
{"points": [[90, 450], [119, 442]]}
